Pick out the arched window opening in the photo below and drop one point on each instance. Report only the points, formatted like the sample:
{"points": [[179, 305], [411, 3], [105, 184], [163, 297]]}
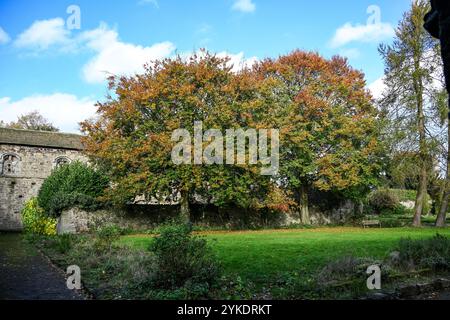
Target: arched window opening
{"points": [[9, 164], [61, 161]]}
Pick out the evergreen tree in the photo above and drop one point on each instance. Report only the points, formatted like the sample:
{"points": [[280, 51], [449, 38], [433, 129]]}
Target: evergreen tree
{"points": [[413, 90]]}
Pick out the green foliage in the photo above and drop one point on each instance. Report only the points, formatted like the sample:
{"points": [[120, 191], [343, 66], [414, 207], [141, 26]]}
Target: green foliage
{"points": [[35, 221], [404, 195], [343, 270], [105, 236], [411, 111], [251, 254], [75, 184], [63, 243], [183, 259], [388, 202], [433, 253], [110, 232], [235, 288], [410, 195], [382, 200], [128, 270], [112, 273]]}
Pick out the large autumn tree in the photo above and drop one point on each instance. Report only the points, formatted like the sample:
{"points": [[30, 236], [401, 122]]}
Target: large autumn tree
{"points": [[132, 137], [328, 125]]}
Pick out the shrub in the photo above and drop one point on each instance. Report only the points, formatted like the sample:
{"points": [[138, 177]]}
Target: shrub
{"points": [[343, 269], [404, 195], [382, 200], [433, 253], [393, 222], [75, 184], [105, 236], [63, 243], [35, 221], [183, 260], [114, 273]]}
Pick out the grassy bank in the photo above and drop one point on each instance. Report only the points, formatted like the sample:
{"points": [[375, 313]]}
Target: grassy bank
{"points": [[261, 256], [281, 264]]}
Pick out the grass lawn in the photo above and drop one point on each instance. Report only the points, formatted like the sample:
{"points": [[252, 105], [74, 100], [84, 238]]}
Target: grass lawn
{"points": [[259, 256]]}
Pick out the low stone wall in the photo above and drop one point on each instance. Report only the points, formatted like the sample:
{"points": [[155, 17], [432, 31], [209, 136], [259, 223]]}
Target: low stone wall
{"points": [[76, 220], [145, 217], [79, 221]]}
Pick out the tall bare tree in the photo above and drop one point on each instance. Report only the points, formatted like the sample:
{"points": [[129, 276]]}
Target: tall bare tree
{"points": [[413, 85]]}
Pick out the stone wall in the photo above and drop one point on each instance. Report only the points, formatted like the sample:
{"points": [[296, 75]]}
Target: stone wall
{"points": [[150, 216], [23, 168], [76, 220], [146, 217]]}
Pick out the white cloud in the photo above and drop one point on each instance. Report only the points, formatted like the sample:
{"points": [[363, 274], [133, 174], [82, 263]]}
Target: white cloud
{"points": [[42, 34], [116, 57], [4, 37], [375, 32], [351, 53], [111, 55], [377, 88], [244, 6], [153, 2], [63, 110], [238, 61]]}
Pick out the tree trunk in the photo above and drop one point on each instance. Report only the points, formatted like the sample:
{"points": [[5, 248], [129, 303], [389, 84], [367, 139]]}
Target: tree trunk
{"points": [[304, 205], [420, 197], [422, 189], [440, 220], [185, 213]]}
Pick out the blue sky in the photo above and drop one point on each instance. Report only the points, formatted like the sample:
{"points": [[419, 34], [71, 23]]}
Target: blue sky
{"points": [[49, 64]]}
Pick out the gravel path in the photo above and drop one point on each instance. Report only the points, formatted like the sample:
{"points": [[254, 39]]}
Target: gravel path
{"points": [[26, 275]]}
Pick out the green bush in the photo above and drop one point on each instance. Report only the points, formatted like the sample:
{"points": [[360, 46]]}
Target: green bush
{"points": [[343, 270], [387, 201], [398, 211], [75, 184], [105, 236], [63, 243], [35, 221], [393, 222], [382, 200], [433, 253], [183, 260], [404, 195]]}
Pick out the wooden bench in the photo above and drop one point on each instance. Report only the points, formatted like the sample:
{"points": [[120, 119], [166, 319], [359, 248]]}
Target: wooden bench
{"points": [[368, 223]]}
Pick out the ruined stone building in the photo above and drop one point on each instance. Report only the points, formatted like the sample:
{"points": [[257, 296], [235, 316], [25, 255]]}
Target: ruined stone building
{"points": [[26, 159]]}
